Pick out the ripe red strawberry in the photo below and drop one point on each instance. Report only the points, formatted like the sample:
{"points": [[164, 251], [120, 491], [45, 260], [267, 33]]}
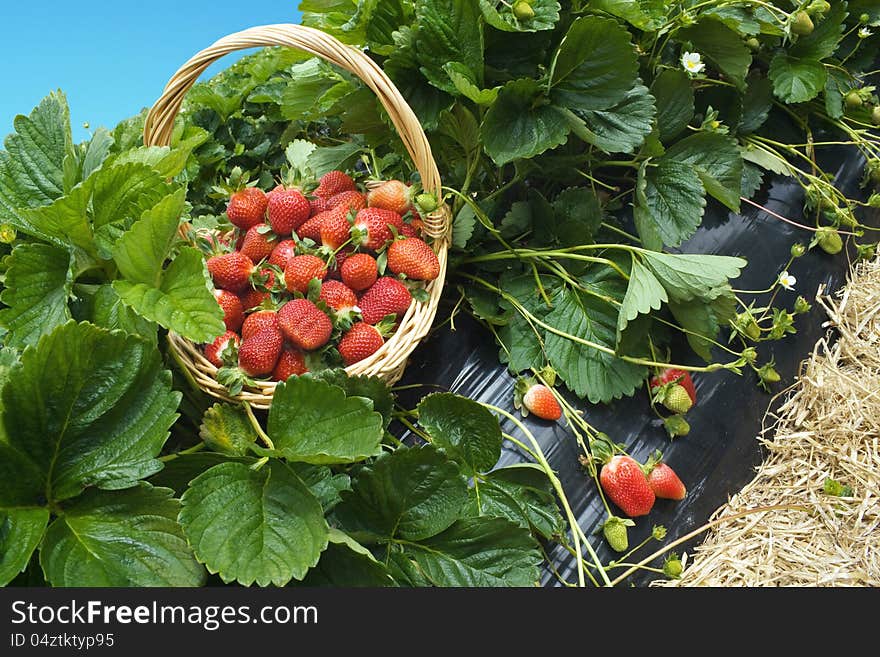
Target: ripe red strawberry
{"points": [[334, 182], [258, 354], [359, 271], [247, 207], [304, 324], [317, 205], [625, 484], [223, 349], [391, 195], [231, 271], [387, 296], [292, 362], [675, 375], [540, 401], [360, 342], [408, 230], [339, 257], [252, 298], [663, 480], [301, 269], [233, 313], [372, 227], [335, 231], [283, 251], [413, 258], [311, 230], [338, 296], [349, 200], [259, 242], [288, 210], [258, 321]]}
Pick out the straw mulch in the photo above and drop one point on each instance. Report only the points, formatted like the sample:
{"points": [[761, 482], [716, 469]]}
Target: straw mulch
{"points": [[829, 426]]}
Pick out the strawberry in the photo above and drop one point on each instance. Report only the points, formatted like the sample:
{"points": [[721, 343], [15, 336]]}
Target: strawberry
{"points": [[317, 205], [625, 484], [233, 313], [311, 230], [539, 400], [247, 207], [391, 195], [283, 251], [675, 375], [614, 531], [335, 231], [339, 258], [387, 296], [301, 269], [359, 271], [663, 480], [338, 296], [231, 271], [292, 362], [259, 353], [223, 350], [413, 258], [255, 322], [334, 182], [288, 210], [360, 342], [304, 324], [259, 242], [349, 200], [371, 227], [252, 298], [409, 230], [677, 399]]}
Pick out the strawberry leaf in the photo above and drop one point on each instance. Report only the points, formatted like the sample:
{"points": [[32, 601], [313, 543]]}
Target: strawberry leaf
{"points": [[347, 563], [622, 127], [20, 532], [448, 31], [718, 163], [796, 80], [643, 294], [466, 431], [721, 46], [107, 310], [248, 525], [675, 103], [120, 538], [371, 387], [226, 429], [670, 200], [465, 83], [500, 16], [692, 276]]}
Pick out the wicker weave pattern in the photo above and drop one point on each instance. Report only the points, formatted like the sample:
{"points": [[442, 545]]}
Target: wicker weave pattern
{"points": [[390, 360]]}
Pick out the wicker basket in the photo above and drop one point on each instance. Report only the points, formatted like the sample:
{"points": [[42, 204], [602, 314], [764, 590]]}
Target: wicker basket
{"points": [[390, 361]]}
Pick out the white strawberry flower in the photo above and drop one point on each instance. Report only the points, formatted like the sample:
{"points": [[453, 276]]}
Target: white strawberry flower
{"points": [[787, 281], [864, 32], [692, 62]]}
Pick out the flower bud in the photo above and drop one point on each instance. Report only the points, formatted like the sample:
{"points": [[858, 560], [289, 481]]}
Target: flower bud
{"points": [[797, 250]]}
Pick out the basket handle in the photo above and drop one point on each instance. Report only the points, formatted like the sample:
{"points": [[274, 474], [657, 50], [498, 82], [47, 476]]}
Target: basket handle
{"points": [[160, 119]]}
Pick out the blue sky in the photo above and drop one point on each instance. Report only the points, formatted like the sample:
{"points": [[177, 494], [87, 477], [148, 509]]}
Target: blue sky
{"points": [[113, 58]]}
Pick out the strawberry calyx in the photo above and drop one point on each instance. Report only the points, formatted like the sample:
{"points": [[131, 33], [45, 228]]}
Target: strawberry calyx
{"points": [[653, 461], [234, 379]]}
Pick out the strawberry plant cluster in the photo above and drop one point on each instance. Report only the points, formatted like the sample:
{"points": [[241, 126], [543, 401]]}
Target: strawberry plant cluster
{"points": [[580, 144]]}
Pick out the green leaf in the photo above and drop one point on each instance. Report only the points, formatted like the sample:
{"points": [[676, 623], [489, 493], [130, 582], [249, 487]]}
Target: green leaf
{"points": [[643, 294], [643, 14], [522, 344], [596, 65], [822, 42], [757, 102], [465, 83], [297, 154], [411, 493], [262, 526], [500, 16], [325, 485], [109, 312], [463, 226], [796, 80], [670, 200], [88, 408], [703, 320], [143, 249], [307, 94], [122, 192], [227, 430], [479, 552], [164, 160], [718, 162], [465, 430], [837, 83], [314, 422], [347, 563], [448, 31], [96, 151], [520, 124], [120, 538], [373, 388], [183, 302], [576, 218], [675, 103], [721, 46], [181, 470], [690, 276], [64, 222], [329, 158], [621, 128], [38, 284], [587, 371], [522, 494], [20, 532], [736, 18]]}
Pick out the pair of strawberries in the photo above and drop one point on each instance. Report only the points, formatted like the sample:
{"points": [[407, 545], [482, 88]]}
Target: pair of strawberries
{"points": [[304, 274], [635, 487]]}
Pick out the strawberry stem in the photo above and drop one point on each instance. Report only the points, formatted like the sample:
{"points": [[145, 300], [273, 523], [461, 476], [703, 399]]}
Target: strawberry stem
{"points": [[256, 425]]}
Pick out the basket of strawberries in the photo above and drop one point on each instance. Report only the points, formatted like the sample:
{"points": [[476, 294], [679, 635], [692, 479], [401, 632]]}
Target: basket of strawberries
{"points": [[324, 274]]}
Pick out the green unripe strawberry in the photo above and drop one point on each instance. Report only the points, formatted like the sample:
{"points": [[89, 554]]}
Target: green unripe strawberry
{"points": [[818, 7], [614, 531], [426, 202], [797, 250], [523, 11], [829, 240], [7, 233], [875, 115], [753, 43], [676, 426], [802, 24], [672, 567], [747, 325], [768, 374], [864, 19], [677, 399], [853, 99]]}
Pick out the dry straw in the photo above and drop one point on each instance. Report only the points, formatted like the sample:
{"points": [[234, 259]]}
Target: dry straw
{"points": [[828, 427], [390, 360]]}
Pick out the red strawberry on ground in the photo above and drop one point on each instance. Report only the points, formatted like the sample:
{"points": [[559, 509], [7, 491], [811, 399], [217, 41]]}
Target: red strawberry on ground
{"points": [[359, 271], [335, 231], [259, 242], [351, 201], [538, 399], [360, 342], [387, 296], [255, 322], [391, 195], [231, 271], [338, 296], [674, 375], [371, 227], [413, 258], [258, 354], [223, 350], [663, 480], [625, 484], [291, 362], [333, 183], [247, 207], [283, 251], [233, 312], [288, 209], [304, 324], [301, 269]]}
